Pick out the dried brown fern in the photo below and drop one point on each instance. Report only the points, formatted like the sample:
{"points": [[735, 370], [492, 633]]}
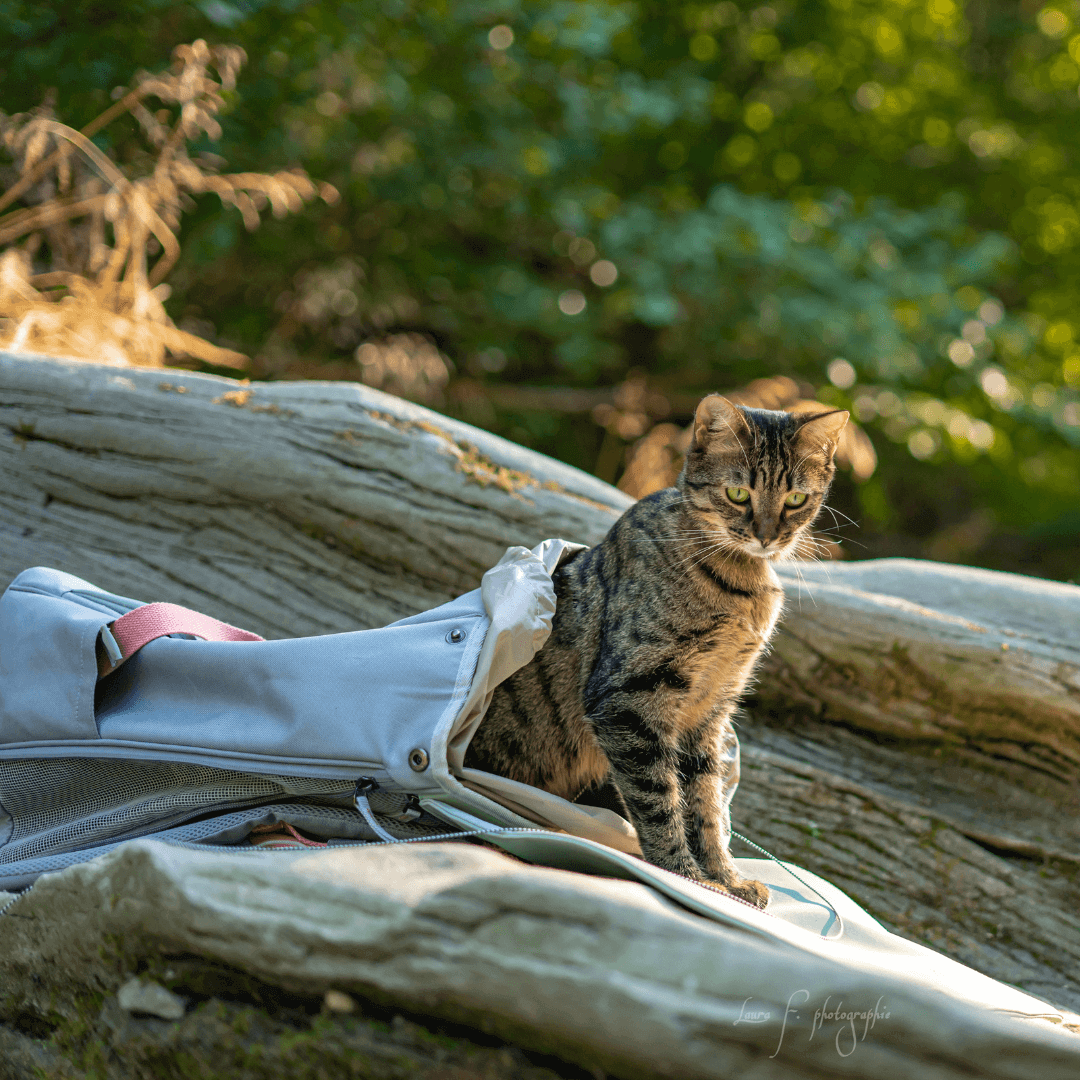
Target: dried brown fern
{"points": [[83, 261]]}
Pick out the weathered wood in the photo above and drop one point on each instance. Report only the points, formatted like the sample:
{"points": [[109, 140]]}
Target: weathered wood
{"points": [[603, 973], [952, 657], [894, 746], [293, 508], [924, 722]]}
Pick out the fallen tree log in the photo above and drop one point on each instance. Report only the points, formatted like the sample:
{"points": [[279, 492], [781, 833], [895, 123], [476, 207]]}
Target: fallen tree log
{"points": [[604, 973], [915, 736], [293, 508]]}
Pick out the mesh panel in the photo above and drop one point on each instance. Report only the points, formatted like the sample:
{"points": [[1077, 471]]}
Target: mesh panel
{"points": [[60, 805], [225, 828], [229, 831]]}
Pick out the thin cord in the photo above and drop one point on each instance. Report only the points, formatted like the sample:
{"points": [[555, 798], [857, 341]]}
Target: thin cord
{"points": [[362, 805], [758, 847], [365, 810], [458, 835], [711, 886]]}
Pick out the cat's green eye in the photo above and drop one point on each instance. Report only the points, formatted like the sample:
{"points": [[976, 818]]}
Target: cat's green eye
{"points": [[738, 495], [796, 498]]}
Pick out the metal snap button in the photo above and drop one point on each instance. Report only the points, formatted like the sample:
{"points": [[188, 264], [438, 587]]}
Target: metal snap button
{"points": [[418, 759], [456, 636]]}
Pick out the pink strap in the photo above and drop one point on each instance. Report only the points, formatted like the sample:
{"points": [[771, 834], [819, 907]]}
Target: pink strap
{"points": [[141, 626]]}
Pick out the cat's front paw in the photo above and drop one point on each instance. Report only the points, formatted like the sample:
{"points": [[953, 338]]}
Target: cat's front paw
{"points": [[753, 892]]}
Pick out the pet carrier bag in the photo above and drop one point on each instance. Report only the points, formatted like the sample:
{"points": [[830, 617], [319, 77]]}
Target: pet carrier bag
{"points": [[120, 719]]}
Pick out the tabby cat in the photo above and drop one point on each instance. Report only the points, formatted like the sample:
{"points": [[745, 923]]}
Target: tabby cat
{"points": [[656, 632]]}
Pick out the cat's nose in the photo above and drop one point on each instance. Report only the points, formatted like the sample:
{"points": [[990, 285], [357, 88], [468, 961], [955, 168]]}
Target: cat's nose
{"points": [[765, 531]]}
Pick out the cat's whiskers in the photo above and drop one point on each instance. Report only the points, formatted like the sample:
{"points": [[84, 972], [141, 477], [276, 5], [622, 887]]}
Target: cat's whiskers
{"points": [[840, 539], [798, 551], [688, 538], [832, 510], [805, 555], [838, 525], [810, 540], [812, 544], [809, 548], [699, 554], [693, 549], [803, 582], [701, 536], [696, 558], [699, 531], [725, 546], [812, 550]]}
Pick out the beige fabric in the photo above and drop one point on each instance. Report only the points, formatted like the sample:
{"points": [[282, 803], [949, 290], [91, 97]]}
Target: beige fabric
{"points": [[796, 917], [520, 602], [550, 811]]}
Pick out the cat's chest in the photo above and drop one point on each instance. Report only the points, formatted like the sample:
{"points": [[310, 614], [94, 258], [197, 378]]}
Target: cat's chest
{"points": [[718, 663], [748, 623]]}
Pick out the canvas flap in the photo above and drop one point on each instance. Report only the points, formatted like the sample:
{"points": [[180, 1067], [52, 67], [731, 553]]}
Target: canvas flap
{"points": [[343, 705], [519, 598], [795, 917]]}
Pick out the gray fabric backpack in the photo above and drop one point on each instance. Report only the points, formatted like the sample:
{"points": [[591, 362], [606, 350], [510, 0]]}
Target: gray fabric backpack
{"points": [[120, 719]]}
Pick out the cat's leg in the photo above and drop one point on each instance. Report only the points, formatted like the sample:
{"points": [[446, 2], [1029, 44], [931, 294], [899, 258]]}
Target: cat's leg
{"points": [[704, 770], [644, 770]]}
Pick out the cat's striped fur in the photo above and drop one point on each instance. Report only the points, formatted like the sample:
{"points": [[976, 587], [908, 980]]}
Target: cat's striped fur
{"points": [[656, 632]]}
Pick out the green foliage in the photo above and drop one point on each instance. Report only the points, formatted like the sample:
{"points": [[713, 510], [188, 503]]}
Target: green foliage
{"points": [[880, 195]]}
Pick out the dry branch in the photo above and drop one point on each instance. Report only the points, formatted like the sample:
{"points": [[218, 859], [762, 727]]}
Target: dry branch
{"points": [[82, 283]]}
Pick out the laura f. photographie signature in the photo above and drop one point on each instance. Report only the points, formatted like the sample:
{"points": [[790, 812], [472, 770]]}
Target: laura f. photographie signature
{"points": [[847, 1036]]}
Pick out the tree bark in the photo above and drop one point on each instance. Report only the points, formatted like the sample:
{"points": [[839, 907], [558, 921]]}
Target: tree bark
{"points": [[915, 734], [289, 509]]}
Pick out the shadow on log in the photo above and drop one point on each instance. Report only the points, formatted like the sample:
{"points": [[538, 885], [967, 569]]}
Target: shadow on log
{"points": [[915, 735]]}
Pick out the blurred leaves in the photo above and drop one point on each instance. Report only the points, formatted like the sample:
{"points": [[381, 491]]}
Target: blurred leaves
{"points": [[879, 199]]}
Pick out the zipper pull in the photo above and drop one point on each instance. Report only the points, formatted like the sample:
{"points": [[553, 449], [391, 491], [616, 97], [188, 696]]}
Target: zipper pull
{"points": [[364, 787], [411, 811]]}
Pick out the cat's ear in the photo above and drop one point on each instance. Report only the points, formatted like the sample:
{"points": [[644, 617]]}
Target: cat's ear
{"points": [[820, 433], [718, 425]]}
